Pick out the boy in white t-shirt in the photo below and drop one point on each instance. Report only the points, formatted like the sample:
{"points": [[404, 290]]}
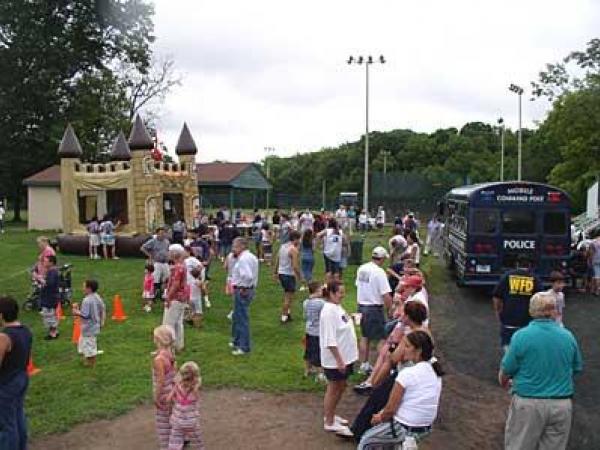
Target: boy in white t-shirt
{"points": [[556, 290]]}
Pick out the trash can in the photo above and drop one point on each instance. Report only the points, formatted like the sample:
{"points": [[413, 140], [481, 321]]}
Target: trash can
{"points": [[356, 252]]}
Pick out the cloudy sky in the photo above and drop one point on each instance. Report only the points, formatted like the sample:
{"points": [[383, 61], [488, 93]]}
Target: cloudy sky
{"points": [[273, 72]]}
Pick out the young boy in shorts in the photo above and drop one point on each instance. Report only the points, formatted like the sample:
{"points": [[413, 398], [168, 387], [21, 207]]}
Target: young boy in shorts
{"points": [[92, 314]]}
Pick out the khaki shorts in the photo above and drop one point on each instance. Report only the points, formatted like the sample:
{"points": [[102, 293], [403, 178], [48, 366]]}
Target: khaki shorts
{"points": [[161, 272], [87, 346]]}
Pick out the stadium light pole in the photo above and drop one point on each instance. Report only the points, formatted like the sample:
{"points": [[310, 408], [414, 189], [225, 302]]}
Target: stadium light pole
{"points": [[501, 124], [269, 151], [519, 91], [368, 60]]}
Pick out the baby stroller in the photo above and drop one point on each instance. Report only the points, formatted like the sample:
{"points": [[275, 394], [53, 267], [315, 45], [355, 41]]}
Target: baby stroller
{"points": [[65, 291]]}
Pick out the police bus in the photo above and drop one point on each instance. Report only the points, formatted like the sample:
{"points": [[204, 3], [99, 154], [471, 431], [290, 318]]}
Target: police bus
{"points": [[487, 226]]}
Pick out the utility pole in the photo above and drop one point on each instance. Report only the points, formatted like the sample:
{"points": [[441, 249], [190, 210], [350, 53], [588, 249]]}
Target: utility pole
{"points": [[367, 61], [324, 194], [269, 151], [519, 91], [502, 130], [385, 154]]}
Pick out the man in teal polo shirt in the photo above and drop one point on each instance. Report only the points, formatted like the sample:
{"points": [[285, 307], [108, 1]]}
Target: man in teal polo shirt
{"points": [[541, 361]]}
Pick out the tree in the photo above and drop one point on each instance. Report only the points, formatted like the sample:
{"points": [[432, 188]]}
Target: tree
{"points": [[578, 70], [49, 51]]}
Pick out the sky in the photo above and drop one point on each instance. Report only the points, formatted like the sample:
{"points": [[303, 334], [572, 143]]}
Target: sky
{"points": [[273, 73]]}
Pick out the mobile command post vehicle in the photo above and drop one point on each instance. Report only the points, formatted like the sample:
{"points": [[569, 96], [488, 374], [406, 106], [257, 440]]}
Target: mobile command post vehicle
{"points": [[487, 226]]}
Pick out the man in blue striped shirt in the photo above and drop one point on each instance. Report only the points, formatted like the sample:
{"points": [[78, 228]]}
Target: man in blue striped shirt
{"points": [[541, 361]]}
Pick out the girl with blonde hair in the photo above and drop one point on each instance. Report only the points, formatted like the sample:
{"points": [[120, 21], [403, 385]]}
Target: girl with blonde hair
{"points": [[163, 380], [185, 418]]}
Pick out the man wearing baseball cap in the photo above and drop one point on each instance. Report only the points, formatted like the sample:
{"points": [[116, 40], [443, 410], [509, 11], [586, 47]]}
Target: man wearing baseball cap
{"points": [[373, 293]]}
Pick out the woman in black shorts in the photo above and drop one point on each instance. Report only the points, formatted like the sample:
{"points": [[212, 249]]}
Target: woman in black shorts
{"points": [[339, 351]]}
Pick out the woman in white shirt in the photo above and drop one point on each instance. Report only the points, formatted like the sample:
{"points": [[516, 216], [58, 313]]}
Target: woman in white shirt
{"points": [[413, 250], [339, 351], [415, 397], [332, 237]]}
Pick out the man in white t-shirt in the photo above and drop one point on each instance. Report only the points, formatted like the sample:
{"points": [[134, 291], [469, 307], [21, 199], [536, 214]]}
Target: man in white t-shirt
{"points": [[373, 294]]}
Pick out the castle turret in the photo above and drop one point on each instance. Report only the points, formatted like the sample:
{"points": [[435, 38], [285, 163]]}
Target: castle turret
{"points": [[69, 145], [186, 151], [120, 149], [139, 138], [70, 153]]}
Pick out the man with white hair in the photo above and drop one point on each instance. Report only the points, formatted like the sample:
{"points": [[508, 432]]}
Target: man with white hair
{"points": [[541, 361], [244, 278]]}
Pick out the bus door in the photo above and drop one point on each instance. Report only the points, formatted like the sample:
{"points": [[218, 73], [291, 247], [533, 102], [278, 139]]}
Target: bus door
{"points": [[518, 236]]}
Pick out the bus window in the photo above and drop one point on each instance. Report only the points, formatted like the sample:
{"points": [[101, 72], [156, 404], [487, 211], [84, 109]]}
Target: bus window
{"points": [[555, 223], [518, 222], [485, 221]]}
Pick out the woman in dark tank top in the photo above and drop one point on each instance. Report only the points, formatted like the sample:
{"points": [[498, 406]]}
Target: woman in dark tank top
{"points": [[15, 348]]}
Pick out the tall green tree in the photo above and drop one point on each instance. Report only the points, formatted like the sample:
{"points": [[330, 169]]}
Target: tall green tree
{"points": [[51, 50]]}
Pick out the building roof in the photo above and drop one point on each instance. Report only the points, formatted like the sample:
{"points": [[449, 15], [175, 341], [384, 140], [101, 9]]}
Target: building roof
{"points": [[48, 177], [120, 149], [185, 144], [236, 175], [69, 145], [139, 138]]}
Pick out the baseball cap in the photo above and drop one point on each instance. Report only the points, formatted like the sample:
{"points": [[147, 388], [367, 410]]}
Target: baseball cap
{"points": [[380, 253], [415, 281]]}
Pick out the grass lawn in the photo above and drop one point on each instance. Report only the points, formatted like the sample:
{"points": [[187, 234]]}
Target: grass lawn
{"points": [[65, 392]]}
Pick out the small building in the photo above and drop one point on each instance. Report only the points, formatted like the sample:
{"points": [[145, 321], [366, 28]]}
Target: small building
{"points": [[237, 185], [44, 203]]}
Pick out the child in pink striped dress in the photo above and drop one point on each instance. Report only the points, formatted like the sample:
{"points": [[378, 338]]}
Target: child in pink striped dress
{"points": [[163, 378], [185, 417]]}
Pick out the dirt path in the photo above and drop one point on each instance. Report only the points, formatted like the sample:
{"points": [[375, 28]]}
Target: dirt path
{"points": [[236, 419]]}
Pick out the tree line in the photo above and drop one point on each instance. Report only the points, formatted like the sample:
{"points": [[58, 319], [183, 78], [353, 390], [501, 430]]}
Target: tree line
{"points": [[564, 150]]}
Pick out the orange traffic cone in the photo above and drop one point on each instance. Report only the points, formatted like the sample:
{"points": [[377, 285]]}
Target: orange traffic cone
{"points": [[59, 312], [31, 369], [76, 330], [118, 312]]}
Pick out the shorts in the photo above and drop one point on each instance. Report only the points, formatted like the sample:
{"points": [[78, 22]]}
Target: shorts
{"points": [[288, 282], [336, 375], [267, 249], [312, 350], [506, 334], [596, 269], [161, 272], [331, 266], [196, 305], [87, 346], [94, 240], [49, 318], [108, 239], [372, 322]]}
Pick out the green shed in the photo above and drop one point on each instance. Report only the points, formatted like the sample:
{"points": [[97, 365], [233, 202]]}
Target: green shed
{"points": [[238, 185]]}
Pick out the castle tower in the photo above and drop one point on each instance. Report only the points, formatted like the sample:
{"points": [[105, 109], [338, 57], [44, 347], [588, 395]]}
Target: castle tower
{"points": [[120, 149], [186, 151], [70, 153], [144, 185]]}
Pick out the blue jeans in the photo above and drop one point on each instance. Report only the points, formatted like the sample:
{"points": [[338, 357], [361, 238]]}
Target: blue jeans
{"points": [[13, 426], [240, 328], [388, 433], [307, 268]]}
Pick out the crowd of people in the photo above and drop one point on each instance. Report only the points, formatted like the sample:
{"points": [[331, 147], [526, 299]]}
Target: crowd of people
{"points": [[400, 375]]}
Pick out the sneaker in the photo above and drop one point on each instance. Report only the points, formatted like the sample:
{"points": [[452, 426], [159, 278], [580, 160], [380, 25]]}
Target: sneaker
{"points": [[302, 288], [230, 315], [148, 308], [338, 420], [363, 388], [239, 352], [365, 368], [337, 428], [346, 433], [284, 318], [206, 302], [100, 352]]}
